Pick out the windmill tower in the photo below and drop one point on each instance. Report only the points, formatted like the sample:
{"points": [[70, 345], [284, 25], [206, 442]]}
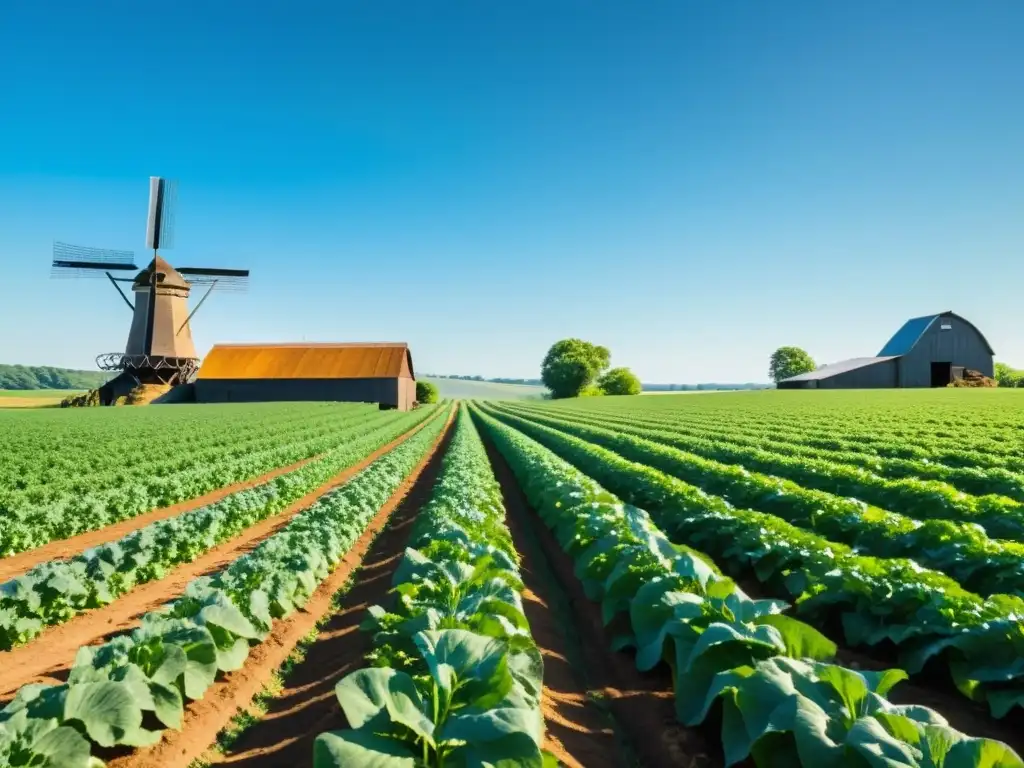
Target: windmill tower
{"points": [[159, 348]]}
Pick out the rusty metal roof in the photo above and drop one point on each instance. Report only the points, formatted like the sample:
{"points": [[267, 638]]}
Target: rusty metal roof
{"points": [[308, 361]]}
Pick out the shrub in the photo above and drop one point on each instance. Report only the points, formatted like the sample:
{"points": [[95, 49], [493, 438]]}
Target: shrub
{"points": [[619, 381], [426, 392]]}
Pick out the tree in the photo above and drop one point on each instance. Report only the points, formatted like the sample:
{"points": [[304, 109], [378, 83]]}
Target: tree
{"points": [[789, 361], [619, 381], [572, 365], [426, 392], [1007, 376]]}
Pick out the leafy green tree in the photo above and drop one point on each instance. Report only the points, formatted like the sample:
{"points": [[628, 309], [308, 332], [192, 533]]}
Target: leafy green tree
{"points": [[572, 365], [619, 381], [1008, 377], [426, 392], [789, 361]]}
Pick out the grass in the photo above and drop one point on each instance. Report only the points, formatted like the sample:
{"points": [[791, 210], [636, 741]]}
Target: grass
{"points": [[34, 398], [461, 389]]}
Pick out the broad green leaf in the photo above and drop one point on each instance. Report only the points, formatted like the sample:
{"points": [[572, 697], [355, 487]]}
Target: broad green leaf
{"points": [[347, 749], [107, 711], [368, 696], [471, 670], [802, 641]]}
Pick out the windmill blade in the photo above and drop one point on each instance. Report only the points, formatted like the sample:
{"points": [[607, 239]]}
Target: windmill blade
{"points": [[219, 279], [163, 199], [78, 261]]}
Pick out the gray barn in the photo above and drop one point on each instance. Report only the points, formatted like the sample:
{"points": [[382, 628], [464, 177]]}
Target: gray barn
{"points": [[929, 351]]}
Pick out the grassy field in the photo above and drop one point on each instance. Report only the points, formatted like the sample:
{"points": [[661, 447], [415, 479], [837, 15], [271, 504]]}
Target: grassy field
{"points": [[33, 398], [460, 389]]}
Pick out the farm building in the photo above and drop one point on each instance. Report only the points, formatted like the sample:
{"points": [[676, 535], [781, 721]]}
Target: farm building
{"points": [[370, 373], [929, 351]]}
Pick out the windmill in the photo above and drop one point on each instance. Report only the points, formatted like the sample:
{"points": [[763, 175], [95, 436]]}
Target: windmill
{"points": [[160, 348]]}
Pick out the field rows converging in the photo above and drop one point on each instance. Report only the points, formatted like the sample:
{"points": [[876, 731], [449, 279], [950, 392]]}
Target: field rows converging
{"points": [[605, 583]]}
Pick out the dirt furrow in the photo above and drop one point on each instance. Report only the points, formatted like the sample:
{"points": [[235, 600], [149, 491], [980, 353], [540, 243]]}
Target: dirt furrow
{"points": [[49, 657], [577, 731], [307, 706], [15, 565], [641, 704], [296, 722]]}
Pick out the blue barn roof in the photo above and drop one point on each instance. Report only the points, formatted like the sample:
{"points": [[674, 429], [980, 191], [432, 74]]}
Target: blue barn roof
{"points": [[906, 337]]}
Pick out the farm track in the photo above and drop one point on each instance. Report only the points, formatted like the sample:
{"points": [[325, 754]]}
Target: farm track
{"points": [[642, 704], [577, 732], [205, 718], [307, 706], [15, 565], [49, 657]]}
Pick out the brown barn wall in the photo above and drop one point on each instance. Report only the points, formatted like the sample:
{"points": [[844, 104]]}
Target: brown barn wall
{"points": [[384, 391], [962, 345]]}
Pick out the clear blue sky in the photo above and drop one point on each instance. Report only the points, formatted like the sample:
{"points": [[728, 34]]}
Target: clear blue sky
{"points": [[691, 184]]}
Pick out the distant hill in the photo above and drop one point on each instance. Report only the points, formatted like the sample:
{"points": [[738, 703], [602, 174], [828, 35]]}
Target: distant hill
{"points": [[524, 384], [28, 377], [464, 388]]}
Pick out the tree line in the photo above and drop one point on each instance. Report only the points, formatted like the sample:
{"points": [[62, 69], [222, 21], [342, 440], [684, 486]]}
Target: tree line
{"points": [[23, 377]]}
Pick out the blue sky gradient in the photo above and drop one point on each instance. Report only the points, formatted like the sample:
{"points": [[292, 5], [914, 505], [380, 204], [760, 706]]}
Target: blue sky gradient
{"points": [[691, 184]]}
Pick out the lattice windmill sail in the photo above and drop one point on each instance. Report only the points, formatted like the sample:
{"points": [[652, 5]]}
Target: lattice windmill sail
{"points": [[160, 347]]}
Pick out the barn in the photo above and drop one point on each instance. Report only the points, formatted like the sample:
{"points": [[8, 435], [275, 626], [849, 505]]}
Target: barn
{"points": [[355, 372], [929, 351]]}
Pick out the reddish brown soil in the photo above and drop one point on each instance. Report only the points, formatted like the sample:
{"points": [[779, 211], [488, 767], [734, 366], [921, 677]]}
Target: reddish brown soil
{"points": [[641, 704], [49, 657], [206, 718], [307, 706], [15, 565], [578, 732]]}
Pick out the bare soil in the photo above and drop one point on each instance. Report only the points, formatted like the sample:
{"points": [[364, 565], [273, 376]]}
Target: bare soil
{"points": [[15, 565], [206, 718], [641, 704], [307, 706], [578, 732], [49, 657]]}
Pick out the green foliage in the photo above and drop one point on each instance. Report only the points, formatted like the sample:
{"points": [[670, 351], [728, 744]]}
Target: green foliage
{"points": [[572, 365], [458, 596], [62, 476], [426, 392], [24, 377], [619, 381], [122, 693], [782, 705], [56, 591], [1008, 377], [789, 361]]}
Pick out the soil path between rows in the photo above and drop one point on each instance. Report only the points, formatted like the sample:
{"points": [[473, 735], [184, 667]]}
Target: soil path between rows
{"points": [[49, 657], [15, 565], [577, 731], [307, 706], [641, 703], [204, 719]]}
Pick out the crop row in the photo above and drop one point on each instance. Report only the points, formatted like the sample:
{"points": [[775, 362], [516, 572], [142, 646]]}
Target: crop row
{"points": [[963, 551], [456, 677], [56, 591], [54, 446], [178, 652], [29, 520], [830, 432], [736, 436], [783, 704], [924, 613]]}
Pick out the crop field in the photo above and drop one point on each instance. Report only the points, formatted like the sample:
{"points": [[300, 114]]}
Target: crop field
{"points": [[776, 578]]}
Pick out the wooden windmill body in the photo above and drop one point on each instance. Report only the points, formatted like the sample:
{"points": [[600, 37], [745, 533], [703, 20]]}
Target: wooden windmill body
{"points": [[159, 349]]}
